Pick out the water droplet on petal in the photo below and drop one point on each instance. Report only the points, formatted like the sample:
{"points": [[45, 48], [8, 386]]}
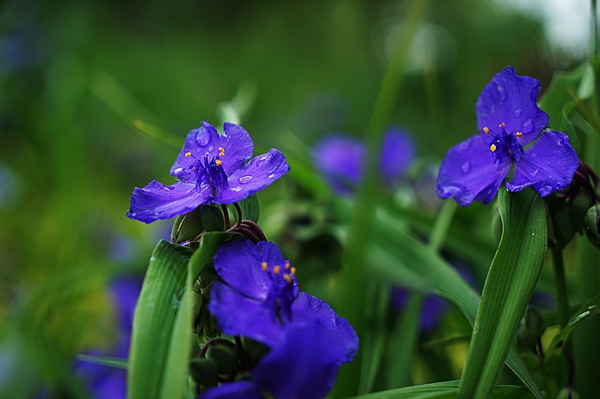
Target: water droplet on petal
{"points": [[245, 179], [517, 113], [527, 126], [534, 172], [178, 170], [203, 137], [465, 167], [272, 175], [235, 189], [464, 146], [211, 148], [501, 93]]}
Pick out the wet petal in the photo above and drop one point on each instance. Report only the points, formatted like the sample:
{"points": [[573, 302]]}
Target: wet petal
{"points": [[157, 201], [258, 174], [511, 99], [548, 165], [339, 159], [398, 154], [238, 148], [237, 314], [468, 173], [199, 142]]}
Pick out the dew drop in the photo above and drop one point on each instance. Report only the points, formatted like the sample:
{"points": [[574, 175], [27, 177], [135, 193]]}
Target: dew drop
{"points": [[534, 172], [464, 146], [501, 93], [527, 126], [211, 148], [245, 179], [235, 189], [178, 170], [203, 137], [465, 167], [517, 113], [272, 175]]}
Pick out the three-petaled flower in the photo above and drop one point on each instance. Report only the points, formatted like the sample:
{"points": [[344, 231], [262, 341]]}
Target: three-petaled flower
{"points": [[211, 169], [509, 121]]}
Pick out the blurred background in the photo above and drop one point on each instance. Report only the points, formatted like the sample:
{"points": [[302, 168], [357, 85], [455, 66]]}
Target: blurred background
{"points": [[77, 77]]}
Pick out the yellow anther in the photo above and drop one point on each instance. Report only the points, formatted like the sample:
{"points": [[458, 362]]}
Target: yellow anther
{"points": [[486, 130], [287, 266], [264, 266], [221, 152], [188, 154], [519, 134], [293, 270], [218, 162], [493, 147], [288, 279], [502, 124], [276, 269]]}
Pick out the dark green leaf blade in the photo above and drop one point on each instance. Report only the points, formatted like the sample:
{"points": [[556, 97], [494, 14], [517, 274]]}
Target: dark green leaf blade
{"points": [[510, 283]]}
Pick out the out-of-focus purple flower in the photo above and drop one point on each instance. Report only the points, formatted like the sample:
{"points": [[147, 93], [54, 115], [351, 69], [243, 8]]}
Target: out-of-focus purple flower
{"points": [[110, 382], [212, 169], [303, 365], [509, 121], [340, 160]]}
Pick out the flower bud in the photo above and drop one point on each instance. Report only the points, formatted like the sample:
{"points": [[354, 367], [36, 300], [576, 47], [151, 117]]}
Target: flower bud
{"points": [[225, 358], [531, 329], [211, 218], [567, 393], [204, 372], [186, 226], [561, 229], [592, 225]]}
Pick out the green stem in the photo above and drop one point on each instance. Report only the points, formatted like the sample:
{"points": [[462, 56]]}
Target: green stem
{"points": [[561, 288]]}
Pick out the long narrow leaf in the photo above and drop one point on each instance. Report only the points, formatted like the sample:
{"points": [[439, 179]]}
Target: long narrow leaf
{"points": [[510, 283]]}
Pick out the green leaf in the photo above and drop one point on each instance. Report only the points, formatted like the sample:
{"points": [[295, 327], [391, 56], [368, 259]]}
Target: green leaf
{"points": [[105, 361], [395, 238], [556, 346], [509, 285], [154, 318], [445, 389], [250, 208]]}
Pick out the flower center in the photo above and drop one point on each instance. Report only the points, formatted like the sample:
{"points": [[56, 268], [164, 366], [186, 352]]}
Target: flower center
{"points": [[210, 171], [503, 143]]}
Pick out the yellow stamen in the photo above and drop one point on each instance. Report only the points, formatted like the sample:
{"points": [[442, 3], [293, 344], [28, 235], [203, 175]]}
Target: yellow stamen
{"points": [[293, 270], [276, 269], [288, 279], [486, 130], [264, 266], [493, 147], [221, 152], [502, 124], [287, 266], [519, 134], [218, 162], [188, 154]]}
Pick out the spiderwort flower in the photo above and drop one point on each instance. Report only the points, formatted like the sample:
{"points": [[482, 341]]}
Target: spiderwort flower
{"points": [[304, 365], [211, 169], [509, 121], [259, 296], [340, 160]]}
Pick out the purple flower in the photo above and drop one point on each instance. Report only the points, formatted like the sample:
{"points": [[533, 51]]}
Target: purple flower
{"points": [[257, 291], [340, 160], [303, 365], [509, 121], [259, 296], [212, 169]]}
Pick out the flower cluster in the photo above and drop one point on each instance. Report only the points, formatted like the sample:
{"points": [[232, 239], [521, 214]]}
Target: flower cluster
{"points": [[211, 169], [511, 132], [340, 160], [258, 298]]}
